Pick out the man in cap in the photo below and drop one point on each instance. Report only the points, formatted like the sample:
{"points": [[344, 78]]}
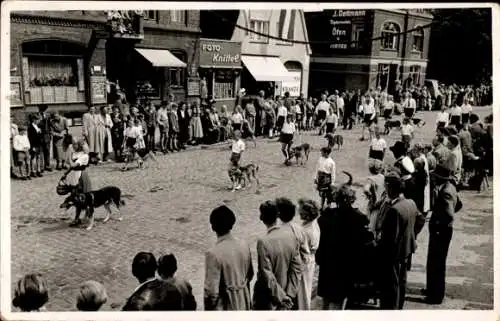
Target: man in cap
{"points": [[401, 223], [445, 203]]}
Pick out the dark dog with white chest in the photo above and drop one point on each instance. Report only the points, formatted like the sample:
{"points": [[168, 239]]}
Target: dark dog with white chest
{"points": [[391, 124], [87, 202], [301, 153]]}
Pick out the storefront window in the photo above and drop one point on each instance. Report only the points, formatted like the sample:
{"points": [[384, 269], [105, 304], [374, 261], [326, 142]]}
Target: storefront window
{"points": [[224, 84], [390, 36], [357, 37], [178, 75], [53, 72], [259, 26], [418, 40]]}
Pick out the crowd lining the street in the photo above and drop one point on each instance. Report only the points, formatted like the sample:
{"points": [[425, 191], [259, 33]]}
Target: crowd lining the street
{"points": [[341, 240]]}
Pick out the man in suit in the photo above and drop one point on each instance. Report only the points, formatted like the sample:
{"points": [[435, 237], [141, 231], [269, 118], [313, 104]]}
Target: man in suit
{"points": [[401, 223], [183, 120], [445, 204], [280, 264], [228, 267], [46, 136]]}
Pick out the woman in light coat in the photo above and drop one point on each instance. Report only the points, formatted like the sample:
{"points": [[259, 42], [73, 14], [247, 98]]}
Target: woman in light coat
{"points": [[103, 145], [89, 128], [308, 211]]}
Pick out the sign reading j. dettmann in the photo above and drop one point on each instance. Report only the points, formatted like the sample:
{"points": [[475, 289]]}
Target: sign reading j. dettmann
{"points": [[340, 23], [216, 53]]}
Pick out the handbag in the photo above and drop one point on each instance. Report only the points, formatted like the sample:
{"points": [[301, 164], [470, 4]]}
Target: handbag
{"points": [[62, 188]]}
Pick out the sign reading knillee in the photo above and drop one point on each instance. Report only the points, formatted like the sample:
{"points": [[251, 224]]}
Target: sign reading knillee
{"points": [[216, 53]]}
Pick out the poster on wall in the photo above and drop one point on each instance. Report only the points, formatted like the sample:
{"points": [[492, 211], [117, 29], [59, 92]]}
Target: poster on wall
{"points": [[293, 85], [15, 95], [97, 89], [193, 87]]}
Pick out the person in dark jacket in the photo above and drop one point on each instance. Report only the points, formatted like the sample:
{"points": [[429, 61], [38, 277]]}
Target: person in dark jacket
{"points": [[343, 246], [167, 266], [45, 121], [445, 203], [183, 120], [402, 221], [35, 136]]}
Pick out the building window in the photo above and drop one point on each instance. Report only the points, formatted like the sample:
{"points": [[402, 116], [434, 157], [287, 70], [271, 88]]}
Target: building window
{"points": [[415, 71], [178, 16], [178, 75], [418, 40], [151, 15], [390, 36], [261, 27], [383, 76], [357, 37]]}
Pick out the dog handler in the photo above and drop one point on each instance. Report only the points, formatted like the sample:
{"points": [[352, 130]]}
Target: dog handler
{"points": [[325, 177], [237, 148], [286, 138]]}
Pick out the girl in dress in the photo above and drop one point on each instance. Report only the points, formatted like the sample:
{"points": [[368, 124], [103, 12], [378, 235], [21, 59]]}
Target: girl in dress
{"points": [[196, 126], [133, 142], [374, 190]]}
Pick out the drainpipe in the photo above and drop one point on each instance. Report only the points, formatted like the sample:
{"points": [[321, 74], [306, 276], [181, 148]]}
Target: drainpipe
{"points": [[405, 37]]}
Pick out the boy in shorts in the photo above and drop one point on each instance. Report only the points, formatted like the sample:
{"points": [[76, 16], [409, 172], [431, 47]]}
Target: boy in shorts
{"points": [[237, 148]]}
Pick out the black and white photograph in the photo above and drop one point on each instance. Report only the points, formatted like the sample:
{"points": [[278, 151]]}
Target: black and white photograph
{"points": [[245, 157]]}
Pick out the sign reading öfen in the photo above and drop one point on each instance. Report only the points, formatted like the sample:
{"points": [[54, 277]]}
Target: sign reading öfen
{"points": [[217, 53]]}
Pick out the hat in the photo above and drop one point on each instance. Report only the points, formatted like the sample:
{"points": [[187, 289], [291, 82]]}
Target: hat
{"points": [[443, 171], [398, 148]]}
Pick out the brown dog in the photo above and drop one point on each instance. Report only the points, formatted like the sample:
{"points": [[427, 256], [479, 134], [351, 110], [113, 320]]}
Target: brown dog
{"points": [[337, 140], [301, 153], [246, 173]]}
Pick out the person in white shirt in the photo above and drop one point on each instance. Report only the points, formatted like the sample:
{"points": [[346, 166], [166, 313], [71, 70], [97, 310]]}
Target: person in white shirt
{"points": [[407, 132], [21, 146], [325, 177], [133, 141], [409, 105], [455, 114], [388, 107], [340, 105], [442, 118], [331, 121], [466, 111], [237, 149], [237, 118], [369, 116], [282, 114], [162, 120], [378, 146], [321, 112], [286, 137]]}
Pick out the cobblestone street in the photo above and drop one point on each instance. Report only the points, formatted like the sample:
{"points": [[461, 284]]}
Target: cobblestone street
{"points": [[175, 219]]}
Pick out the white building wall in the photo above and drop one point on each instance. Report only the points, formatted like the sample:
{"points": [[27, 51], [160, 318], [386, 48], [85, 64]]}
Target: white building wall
{"points": [[272, 47]]}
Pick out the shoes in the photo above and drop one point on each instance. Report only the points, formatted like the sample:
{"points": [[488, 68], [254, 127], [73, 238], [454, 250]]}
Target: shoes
{"points": [[238, 187], [38, 174]]}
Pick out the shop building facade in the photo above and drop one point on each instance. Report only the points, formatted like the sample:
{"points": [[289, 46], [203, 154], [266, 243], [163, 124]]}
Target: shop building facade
{"points": [[268, 64], [71, 60], [345, 57]]}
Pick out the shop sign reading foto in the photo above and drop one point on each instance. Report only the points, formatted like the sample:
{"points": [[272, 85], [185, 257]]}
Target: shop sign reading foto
{"points": [[218, 56]]}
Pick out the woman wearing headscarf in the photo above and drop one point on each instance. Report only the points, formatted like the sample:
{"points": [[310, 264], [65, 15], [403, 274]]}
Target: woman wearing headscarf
{"points": [[343, 246]]}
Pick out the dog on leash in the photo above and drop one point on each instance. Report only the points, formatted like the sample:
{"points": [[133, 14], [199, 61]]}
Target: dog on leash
{"points": [[328, 194], [246, 173], [418, 122], [333, 140], [391, 124], [87, 202], [301, 153]]}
